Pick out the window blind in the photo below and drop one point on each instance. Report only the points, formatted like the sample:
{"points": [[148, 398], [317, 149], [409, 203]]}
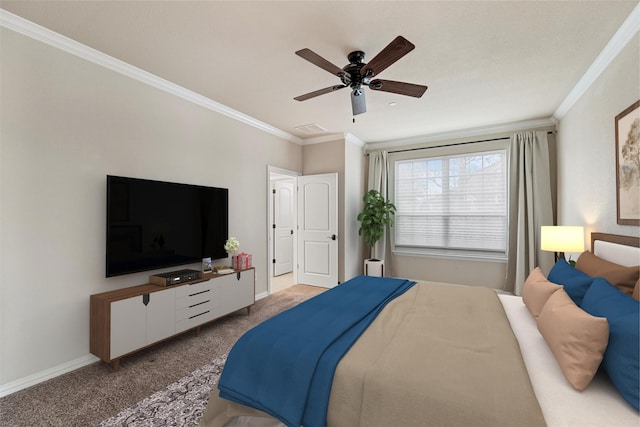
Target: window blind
{"points": [[456, 202]]}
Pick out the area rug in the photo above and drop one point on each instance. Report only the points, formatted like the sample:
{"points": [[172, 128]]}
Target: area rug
{"points": [[180, 404]]}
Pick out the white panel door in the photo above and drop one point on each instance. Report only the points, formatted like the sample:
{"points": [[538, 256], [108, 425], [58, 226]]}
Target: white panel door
{"points": [[284, 222], [318, 230]]}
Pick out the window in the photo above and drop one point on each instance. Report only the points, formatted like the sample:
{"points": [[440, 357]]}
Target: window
{"points": [[453, 204]]}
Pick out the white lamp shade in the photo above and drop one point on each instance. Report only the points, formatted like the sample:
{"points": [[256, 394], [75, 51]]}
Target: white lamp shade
{"points": [[562, 238]]}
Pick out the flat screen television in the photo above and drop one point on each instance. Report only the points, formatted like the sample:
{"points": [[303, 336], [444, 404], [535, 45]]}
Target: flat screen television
{"points": [[156, 224]]}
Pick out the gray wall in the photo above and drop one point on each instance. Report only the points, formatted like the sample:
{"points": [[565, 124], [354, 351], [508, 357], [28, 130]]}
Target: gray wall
{"points": [[328, 157], [586, 148], [353, 191], [66, 124]]}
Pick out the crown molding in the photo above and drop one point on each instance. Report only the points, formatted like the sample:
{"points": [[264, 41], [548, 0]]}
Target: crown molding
{"points": [[37, 32], [625, 33], [464, 133], [346, 136], [20, 25], [324, 138], [351, 138]]}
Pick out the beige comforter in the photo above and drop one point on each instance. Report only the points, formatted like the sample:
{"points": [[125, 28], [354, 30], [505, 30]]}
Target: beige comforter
{"points": [[439, 355]]}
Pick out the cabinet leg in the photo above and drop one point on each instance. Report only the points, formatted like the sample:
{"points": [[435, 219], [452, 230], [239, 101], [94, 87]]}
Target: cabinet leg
{"points": [[197, 331], [248, 310], [116, 364]]}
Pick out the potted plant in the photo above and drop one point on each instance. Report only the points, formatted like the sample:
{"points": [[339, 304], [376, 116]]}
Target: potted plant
{"points": [[374, 219]]}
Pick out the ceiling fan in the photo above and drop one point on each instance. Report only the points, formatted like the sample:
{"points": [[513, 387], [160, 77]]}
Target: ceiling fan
{"points": [[358, 74]]}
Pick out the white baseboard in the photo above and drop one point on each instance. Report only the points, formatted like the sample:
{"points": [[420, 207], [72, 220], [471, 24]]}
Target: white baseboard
{"points": [[31, 380]]}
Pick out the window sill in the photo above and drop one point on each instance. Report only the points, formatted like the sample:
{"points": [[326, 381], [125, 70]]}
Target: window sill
{"points": [[452, 254]]}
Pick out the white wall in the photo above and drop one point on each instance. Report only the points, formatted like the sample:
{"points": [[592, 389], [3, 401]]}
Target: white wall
{"points": [[66, 124], [586, 148]]}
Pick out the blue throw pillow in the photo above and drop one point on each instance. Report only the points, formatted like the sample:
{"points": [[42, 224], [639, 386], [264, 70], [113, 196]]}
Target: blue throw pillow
{"points": [[575, 282], [622, 358]]}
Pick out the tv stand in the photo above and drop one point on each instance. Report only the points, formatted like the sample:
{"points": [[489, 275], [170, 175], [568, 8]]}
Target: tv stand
{"points": [[127, 320]]}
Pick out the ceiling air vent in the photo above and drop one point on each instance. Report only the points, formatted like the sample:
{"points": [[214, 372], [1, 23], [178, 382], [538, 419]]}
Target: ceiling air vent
{"points": [[311, 129]]}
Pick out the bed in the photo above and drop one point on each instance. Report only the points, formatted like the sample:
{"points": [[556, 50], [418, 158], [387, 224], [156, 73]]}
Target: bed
{"points": [[506, 366]]}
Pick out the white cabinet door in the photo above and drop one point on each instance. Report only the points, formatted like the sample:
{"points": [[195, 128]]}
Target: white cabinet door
{"points": [[161, 315], [233, 293], [128, 326]]}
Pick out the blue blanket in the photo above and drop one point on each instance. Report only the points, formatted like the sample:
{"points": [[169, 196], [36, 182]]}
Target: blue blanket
{"points": [[285, 365]]}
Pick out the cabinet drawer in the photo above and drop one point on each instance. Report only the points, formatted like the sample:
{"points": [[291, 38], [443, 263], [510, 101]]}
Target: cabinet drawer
{"points": [[191, 317], [185, 291], [194, 311], [195, 299]]}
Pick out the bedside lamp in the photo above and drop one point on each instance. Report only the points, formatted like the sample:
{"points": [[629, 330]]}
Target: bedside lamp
{"points": [[561, 239]]}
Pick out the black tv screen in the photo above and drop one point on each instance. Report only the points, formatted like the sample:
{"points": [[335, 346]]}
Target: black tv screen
{"points": [[155, 224]]}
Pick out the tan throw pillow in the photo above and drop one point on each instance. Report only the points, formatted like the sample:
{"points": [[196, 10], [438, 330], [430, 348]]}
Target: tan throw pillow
{"points": [[623, 278], [576, 338], [536, 291]]}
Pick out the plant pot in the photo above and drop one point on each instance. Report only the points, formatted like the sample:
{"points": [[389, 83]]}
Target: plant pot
{"points": [[374, 267]]}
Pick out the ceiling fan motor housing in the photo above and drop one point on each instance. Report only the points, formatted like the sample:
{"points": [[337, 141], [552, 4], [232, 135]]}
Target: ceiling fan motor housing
{"points": [[355, 80]]}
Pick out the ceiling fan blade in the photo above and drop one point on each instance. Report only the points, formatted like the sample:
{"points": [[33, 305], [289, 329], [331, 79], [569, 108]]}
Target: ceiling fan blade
{"points": [[358, 102], [395, 50], [318, 60], [400, 88], [319, 92]]}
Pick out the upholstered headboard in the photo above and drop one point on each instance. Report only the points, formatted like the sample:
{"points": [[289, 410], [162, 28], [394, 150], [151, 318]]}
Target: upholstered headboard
{"points": [[623, 250]]}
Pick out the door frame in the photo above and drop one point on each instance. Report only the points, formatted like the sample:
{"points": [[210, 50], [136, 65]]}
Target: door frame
{"points": [[273, 171]]}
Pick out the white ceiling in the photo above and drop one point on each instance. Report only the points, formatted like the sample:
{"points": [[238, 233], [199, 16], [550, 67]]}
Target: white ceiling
{"points": [[486, 62]]}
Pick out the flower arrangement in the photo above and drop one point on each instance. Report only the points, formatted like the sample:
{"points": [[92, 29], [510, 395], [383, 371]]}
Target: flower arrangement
{"points": [[232, 245]]}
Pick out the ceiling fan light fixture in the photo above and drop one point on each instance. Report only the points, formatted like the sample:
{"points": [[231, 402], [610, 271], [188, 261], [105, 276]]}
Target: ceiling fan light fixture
{"points": [[357, 74]]}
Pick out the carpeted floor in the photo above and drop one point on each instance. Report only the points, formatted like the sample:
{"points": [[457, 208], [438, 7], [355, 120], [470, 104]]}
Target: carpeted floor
{"points": [[92, 394], [182, 403]]}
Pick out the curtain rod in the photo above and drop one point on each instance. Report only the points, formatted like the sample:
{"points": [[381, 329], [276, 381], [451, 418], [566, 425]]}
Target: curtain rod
{"points": [[552, 132]]}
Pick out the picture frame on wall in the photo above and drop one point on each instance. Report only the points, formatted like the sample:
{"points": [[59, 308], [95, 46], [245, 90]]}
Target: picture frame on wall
{"points": [[628, 165]]}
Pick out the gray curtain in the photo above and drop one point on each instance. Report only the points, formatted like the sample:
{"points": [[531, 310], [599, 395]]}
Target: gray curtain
{"points": [[530, 207], [378, 178]]}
